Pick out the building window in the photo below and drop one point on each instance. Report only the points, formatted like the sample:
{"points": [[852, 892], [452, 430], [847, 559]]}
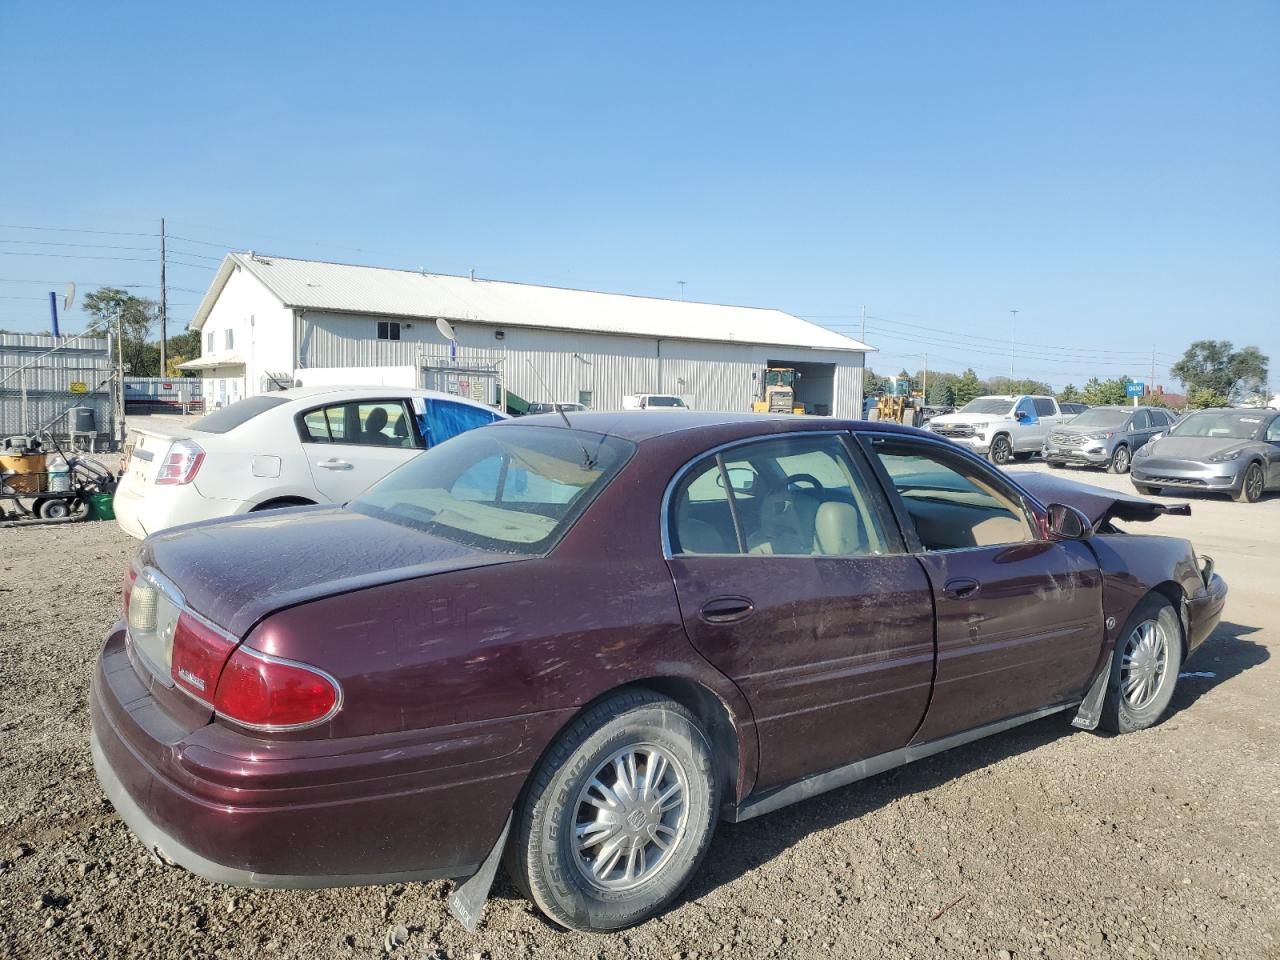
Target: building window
{"points": [[584, 398], [229, 340], [208, 342], [388, 330]]}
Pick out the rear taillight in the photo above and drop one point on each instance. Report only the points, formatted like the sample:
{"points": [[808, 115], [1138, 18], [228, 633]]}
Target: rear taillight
{"points": [[269, 693], [199, 652], [180, 463], [130, 575]]}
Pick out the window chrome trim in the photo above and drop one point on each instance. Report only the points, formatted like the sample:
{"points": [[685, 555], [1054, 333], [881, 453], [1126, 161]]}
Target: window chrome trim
{"points": [[665, 513]]}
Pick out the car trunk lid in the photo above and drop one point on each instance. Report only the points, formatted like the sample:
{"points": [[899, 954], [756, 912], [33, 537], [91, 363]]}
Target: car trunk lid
{"points": [[233, 572]]}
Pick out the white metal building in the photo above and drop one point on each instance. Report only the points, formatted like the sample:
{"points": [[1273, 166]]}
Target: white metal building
{"points": [[267, 322]]}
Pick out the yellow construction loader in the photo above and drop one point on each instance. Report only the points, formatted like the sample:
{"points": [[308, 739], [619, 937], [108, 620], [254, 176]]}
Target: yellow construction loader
{"points": [[778, 392]]}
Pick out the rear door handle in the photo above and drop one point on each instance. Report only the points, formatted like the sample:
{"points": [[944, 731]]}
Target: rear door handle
{"points": [[333, 463], [961, 587], [727, 609]]}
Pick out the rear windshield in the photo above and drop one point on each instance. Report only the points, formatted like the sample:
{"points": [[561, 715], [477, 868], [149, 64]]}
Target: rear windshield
{"points": [[989, 405], [663, 402], [1228, 426], [1101, 418], [510, 489], [242, 411]]}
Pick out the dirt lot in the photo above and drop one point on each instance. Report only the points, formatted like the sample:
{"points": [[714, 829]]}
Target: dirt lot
{"points": [[1043, 842]]}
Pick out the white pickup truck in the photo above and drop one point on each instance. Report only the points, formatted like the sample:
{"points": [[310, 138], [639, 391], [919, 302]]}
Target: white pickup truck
{"points": [[1003, 428]]}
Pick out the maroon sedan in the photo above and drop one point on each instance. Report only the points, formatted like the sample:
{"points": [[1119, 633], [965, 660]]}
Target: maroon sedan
{"points": [[582, 646]]}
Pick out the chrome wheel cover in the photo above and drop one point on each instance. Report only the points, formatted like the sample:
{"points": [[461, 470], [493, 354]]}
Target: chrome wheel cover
{"points": [[630, 817], [1144, 664]]}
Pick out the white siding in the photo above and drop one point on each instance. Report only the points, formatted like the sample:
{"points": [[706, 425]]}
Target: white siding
{"points": [[261, 328], [556, 365]]}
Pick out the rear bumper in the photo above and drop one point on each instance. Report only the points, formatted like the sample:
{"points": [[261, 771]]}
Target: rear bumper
{"points": [[301, 814], [1156, 472], [159, 508], [1204, 611]]}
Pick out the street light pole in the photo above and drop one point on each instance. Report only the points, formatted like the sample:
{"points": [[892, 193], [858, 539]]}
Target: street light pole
{"points": [[1013, 334]]}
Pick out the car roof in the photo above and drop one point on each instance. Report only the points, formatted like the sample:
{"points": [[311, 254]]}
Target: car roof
{"points": [[371, 392], [641, 425]]}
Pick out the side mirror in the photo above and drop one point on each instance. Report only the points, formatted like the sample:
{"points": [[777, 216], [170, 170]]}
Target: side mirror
{"points": [[1068, 523], [1020, 416]]}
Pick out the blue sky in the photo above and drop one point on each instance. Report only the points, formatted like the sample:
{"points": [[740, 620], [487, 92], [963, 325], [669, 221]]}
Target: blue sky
{"points": [[1109, 170]]}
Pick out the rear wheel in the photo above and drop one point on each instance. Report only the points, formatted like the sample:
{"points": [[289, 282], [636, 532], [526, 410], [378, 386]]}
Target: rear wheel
{"points": [[1001, 449], [55, 508], [617, 816], [1120, 460], [1252, 486], [281, 503], [1144, 669]]}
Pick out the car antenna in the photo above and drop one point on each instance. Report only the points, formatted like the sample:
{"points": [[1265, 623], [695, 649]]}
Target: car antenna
{"points": [[588, 461]]}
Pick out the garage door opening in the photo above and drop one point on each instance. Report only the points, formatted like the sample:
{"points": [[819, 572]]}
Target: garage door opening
{"points": [[815, 385]]}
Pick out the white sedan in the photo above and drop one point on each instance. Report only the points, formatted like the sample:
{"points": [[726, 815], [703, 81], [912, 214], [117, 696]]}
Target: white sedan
{"points": [[289, 448]]}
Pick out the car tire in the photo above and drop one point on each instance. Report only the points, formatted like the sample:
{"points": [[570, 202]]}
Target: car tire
{"points": [[589, 888], [1001, 449], [1252, 486], [1144, 668], [1120, 460], [1147, 490]]}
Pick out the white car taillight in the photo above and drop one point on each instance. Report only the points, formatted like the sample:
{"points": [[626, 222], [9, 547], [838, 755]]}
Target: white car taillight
{"points": [[180, 463]]}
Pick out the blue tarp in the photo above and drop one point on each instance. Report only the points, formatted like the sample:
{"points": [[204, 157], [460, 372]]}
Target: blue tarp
{"points": [[445, 419]]}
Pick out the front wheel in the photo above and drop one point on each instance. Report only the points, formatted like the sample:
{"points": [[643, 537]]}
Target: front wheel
{"points": [[1251, 486], [1144, 669], [1001, 450], [1120, 460], [618, 815]]}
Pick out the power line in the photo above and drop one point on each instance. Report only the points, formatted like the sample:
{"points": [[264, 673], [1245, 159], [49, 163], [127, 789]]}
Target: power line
{"points": [[66, 243], [1056, 355], [75, 256], [104, 233]]}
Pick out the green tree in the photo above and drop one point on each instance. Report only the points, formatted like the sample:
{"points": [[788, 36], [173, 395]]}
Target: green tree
{"points": [[1154, 399], [1069, 394], [1213, 365], [1106, 393], [968, 387], [942, 393], [181, 348], [137, 315], [872, 382], [1205, 397]]}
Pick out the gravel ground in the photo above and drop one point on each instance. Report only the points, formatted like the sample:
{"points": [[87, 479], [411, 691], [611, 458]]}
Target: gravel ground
{"points": [[1042, 842]]}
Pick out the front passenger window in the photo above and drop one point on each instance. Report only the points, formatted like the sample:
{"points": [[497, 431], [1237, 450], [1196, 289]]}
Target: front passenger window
{"points": [[953, 504]]}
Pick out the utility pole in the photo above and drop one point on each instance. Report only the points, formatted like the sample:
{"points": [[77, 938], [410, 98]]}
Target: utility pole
{"points": [[862, 333], [1013, 337], [1151, 385], [164, 310], [924, 381], [681, 282], [120, 377]]}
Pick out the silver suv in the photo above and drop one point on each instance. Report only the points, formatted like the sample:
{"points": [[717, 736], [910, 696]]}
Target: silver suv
{"points": [[1105, 437]]}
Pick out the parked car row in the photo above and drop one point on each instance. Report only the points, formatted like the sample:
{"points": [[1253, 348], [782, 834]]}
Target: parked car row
{"points": [[580, 646]]}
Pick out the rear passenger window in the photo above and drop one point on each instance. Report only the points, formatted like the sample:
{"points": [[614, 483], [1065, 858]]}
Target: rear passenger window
{"points": [[791, 496], [953, 504], [379, 423]]}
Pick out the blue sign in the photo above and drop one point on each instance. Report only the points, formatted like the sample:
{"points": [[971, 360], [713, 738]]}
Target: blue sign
{"points": [[1135, 389]]}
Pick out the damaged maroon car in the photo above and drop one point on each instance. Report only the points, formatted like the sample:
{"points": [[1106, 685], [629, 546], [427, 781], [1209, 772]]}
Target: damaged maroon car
{"points": [[580, 646]]}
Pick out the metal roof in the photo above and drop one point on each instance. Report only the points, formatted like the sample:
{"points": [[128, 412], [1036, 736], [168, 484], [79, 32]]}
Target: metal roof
{"points": [[344, 288]]}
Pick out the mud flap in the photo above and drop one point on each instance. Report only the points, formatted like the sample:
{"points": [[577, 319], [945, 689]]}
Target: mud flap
{"points": [[1090, 711], [468, 898]]}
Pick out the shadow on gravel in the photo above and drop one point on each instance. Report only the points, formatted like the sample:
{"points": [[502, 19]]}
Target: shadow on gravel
{"points": [[1226, 654], [738, 848]]}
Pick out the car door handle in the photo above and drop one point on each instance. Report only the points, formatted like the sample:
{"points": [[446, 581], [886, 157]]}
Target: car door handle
{"points": [[333, 463], [727, 609], [961, 588]]}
